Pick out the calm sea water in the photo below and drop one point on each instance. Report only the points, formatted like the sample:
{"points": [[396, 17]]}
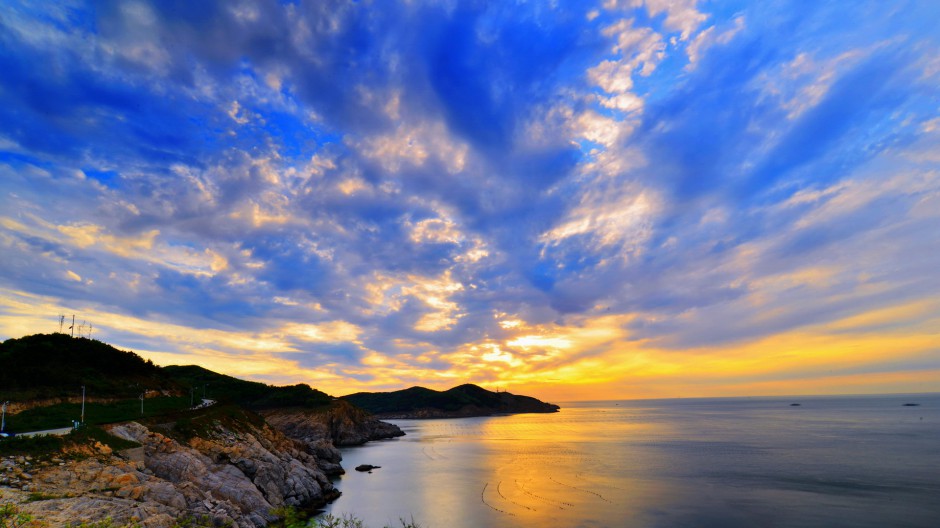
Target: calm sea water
{"points": [[832, 461]]}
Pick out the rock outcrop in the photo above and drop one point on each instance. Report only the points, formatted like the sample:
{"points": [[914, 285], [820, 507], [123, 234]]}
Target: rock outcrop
{"points": [[230, 475], [341, 424]]}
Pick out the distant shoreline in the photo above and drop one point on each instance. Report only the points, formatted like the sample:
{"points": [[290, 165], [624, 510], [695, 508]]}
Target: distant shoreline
{"points": [[434, 414]]}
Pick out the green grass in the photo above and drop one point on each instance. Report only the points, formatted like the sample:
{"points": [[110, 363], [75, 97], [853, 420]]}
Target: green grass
{"points": [[289, 517], [96, 434], [251, 394], [46, 445], [33, 445], [37, 496], [202, 422], [61, 414]]}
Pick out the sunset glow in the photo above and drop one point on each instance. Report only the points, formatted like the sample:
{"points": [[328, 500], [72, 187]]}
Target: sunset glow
{"points": [[633, 199]]}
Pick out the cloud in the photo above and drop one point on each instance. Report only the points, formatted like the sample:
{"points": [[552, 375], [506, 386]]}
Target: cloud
{"points": [[370, 196], [708, 38]]}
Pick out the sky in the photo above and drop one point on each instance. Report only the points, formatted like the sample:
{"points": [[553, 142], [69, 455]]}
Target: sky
{"points": [[573, 200]]}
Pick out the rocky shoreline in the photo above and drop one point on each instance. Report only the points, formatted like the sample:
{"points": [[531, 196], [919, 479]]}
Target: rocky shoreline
{"points": [[233, 472], [342, 425]]}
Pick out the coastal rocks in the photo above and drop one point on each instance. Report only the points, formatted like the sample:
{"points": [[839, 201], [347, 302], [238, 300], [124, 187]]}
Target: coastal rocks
{"points": [[235, 476], [313, 435], [62, 512], [232, 469], [342, 423], [97, 489], [367, 467]]}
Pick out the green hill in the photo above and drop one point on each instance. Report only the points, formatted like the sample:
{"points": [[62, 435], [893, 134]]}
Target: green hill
{"points": [[251, 394], [56, 365], [464, 400], [38, 368], [47, 366]]}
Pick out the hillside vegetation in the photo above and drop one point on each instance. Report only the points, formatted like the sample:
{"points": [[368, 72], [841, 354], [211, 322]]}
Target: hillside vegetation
{"points": [[44, 367], [57, 365], [251, 394]]}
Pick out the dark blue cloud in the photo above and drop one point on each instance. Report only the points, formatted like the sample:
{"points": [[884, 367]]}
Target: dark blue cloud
{"points": [[141, 98], [202, 298], [69, 111], [314, 355]]}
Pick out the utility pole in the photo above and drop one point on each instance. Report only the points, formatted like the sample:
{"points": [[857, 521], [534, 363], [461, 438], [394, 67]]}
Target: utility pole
{"points": [[61, 322], [82, 421], [72, 328], [142, 403], [3, 417]]}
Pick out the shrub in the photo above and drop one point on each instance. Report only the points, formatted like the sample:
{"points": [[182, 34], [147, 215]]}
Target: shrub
{"points": [[10, 517]]}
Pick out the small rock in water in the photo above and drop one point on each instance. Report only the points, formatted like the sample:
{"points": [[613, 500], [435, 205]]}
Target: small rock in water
{"points": [[366, 467], [911, 405], [794, 405]]}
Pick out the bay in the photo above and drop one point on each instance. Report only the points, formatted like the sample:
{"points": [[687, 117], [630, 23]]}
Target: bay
{"points": [[728, 462]]}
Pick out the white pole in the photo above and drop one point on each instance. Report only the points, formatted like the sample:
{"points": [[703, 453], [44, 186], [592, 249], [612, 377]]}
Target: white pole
{"points": [[141, 404], [3, 418], [82, 421]]}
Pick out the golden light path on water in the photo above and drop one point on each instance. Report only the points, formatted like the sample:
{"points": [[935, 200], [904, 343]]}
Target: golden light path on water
{"points": [[856, 461]]}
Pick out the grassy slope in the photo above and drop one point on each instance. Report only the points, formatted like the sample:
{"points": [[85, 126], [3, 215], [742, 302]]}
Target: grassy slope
{"points": [[248, 393], [61, 414]]}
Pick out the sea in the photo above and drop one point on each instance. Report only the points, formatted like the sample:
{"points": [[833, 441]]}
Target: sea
{"points": [[828, 461]]}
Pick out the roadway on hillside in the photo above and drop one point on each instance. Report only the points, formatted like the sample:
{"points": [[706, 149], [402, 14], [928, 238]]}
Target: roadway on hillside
{"points": [[54, 432]]}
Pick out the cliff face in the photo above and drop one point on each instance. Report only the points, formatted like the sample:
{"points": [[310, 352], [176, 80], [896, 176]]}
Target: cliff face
{"points": [[342, 425], [230, 475]]}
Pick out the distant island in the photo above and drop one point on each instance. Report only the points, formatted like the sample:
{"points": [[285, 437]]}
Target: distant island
{"points": [[183, 445], [459, 402]]}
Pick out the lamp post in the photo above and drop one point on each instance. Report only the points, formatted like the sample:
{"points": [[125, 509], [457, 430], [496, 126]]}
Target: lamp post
{"points": [[3, 416], [82, 421], [142, 403]]}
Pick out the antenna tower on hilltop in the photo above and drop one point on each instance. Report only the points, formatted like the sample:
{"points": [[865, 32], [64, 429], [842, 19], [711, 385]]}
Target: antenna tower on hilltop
{"points": [[61, 322]]}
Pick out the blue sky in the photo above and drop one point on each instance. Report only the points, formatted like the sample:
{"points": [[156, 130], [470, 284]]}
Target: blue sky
{"points": [[618, 199]]}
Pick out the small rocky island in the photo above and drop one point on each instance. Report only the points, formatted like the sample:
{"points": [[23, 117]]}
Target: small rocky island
{"points": [[459, 402]]}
